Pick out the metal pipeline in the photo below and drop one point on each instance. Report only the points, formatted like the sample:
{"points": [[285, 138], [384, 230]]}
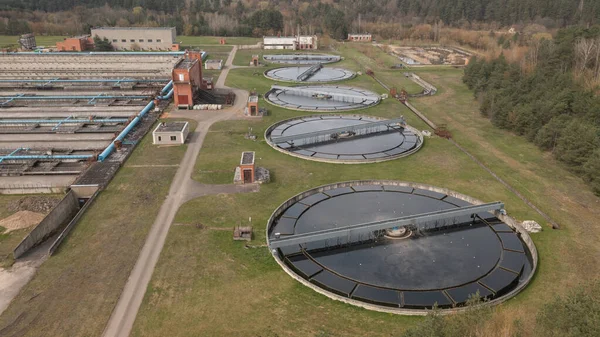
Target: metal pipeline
{"points": [[167, 87], [110, 148], [167, 96]]}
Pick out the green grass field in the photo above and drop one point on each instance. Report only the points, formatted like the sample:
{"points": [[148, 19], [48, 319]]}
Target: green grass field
{"points": [[206, 284], [203, 274], [46, 41], [215, 40]]}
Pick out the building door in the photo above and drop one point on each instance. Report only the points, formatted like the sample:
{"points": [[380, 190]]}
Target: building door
{"points": [[247, 176], [183, 100], [253, 110]]}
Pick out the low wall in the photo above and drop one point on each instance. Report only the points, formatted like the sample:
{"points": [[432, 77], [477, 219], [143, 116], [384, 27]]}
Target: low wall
{"points": [[60, 214], [71, 224], [32, 189]]}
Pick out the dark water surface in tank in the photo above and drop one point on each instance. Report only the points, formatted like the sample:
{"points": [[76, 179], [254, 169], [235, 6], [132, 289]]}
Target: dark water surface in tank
{"points": [[432, 266]]}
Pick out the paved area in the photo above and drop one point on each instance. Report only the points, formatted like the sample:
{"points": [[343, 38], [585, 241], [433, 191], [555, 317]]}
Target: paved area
{"points": [[20, 273], [183, 188]]}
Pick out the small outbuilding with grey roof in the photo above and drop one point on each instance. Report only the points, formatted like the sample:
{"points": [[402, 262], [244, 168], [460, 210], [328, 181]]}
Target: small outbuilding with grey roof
{"points": [[170, 133]]}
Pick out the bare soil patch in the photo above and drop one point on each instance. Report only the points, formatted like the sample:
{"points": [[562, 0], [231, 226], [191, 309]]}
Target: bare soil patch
{"points": [[37, 204], [21, 220]]}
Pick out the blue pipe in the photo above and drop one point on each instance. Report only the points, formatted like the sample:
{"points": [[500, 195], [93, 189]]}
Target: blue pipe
{"points": [[167, 96], [60, 123], [110, 148], [69, 121], [167, 87], [10, 154], [69, 97]]}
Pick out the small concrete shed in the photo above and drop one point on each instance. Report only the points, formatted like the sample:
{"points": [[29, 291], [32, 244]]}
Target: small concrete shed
{"points": [[170, 133]]}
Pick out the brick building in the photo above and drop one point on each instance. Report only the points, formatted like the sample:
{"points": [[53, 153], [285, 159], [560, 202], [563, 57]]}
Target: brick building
{"points": [[252, 108], [77, 43], [187, 79], [247, 168]]}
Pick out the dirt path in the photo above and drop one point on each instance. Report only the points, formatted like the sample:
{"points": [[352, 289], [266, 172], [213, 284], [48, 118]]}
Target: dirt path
{"points": [[183, 188]]}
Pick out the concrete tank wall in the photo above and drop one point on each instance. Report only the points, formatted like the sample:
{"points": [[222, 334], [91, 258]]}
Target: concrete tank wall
{"points": [[59, 215]]}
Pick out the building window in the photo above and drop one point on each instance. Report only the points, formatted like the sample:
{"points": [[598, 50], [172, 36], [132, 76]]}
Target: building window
{"points": [[158, 40], [141, 40], [114, 40], [149, 40], [181, 78], [132, 40], [123, 40], [159, 138], [173, 138]]}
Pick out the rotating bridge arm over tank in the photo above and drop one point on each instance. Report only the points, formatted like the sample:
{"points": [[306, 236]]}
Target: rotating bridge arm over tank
{"points": [[310, 72], [368, 227], [360, 129], [334, 96]]}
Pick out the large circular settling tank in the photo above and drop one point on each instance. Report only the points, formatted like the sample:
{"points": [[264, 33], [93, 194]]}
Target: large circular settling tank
{"points": [[442, 262], [308, 74], [302, 58], [358, 139], [321, 97]]}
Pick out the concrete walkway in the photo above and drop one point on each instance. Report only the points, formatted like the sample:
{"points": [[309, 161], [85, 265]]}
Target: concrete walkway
{"points": [[183, 188]]}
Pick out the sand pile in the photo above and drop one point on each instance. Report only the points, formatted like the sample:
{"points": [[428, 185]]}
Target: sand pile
{"points": [[20, 220]]}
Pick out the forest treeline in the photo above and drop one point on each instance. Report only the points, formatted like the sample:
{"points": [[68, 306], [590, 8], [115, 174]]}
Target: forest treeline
{"points": [[548, 101], [337, 17]]}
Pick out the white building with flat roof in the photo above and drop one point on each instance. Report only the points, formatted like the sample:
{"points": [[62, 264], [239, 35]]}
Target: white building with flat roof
{"points": [[290, 42], [360, 37], [170, 133], [213, 64], [144, 38]]}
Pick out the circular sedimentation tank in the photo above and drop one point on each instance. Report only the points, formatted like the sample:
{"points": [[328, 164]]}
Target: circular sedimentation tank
{"points": [[293, 74], [322, 98], [439, 263], [302, 58], [379, 143]]}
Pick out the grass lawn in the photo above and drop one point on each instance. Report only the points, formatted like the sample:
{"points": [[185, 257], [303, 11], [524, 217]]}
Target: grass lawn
{"points": [[202, 274], [74, 292], [46, 41], [215, 40]]}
